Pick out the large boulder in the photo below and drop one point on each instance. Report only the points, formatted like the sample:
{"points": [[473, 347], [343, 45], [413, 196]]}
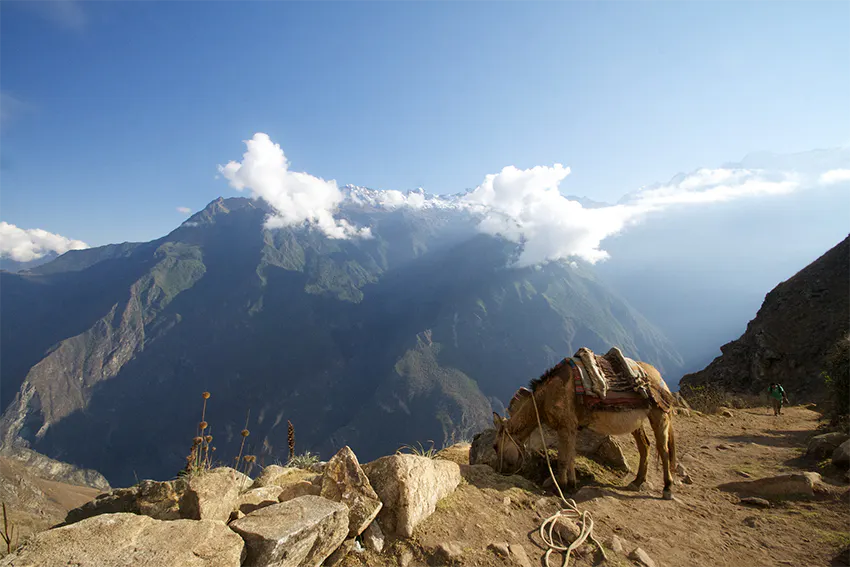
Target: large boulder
{"points": [[344, 481], [841, 455], [213, 495], [122, 539], [410, 487], [822, 446], [113, 502], [298, 533], [786, 486]]}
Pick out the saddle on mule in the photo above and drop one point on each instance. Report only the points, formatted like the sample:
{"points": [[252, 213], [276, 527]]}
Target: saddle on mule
{"points": [[613, 382]]}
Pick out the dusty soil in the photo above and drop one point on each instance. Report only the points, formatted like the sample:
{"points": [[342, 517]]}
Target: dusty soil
{"points": [[703, 525]]}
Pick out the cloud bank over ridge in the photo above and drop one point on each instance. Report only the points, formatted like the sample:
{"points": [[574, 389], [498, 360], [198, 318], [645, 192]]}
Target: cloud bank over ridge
{"points": [[521, 205], [25, 245]]}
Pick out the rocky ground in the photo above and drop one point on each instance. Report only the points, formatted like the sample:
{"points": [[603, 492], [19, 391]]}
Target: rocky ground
{"points": [[412, 510], [705, 525]]}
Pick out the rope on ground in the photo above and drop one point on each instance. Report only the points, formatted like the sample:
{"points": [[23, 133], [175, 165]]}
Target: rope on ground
{"points": [[571, 512]]}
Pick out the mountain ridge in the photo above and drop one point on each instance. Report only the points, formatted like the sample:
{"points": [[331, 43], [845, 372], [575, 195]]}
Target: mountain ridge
{"points": [[338, 336], [787, 341]]}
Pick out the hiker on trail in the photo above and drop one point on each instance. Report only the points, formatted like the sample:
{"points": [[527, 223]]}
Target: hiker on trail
{"points": [[777, 394]]}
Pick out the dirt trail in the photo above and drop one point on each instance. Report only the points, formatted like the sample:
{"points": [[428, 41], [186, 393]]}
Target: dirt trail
{"points": [[703, 526]]}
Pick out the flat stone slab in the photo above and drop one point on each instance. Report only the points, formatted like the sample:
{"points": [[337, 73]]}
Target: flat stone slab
{"points": [[301, 532]]}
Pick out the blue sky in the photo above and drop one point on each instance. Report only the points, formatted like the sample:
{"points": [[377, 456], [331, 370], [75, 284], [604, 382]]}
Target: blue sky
{"points": [[116, 113]]}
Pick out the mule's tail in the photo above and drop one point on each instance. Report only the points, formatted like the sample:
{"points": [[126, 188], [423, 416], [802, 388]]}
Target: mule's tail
{"points": [[671, 446]]}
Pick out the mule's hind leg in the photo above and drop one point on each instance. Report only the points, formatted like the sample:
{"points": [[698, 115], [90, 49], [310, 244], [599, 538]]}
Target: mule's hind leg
{"points": [[642, 442], [660, 422]]}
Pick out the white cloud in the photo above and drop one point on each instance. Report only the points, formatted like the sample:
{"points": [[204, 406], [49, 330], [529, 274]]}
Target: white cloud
{"points": [[834, 176], [184, 210], [716, 185], [31, 244], [526, 206], [297, 198]]}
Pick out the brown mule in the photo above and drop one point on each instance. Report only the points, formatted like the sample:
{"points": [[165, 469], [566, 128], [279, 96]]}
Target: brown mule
{"points": [[559, 408]]}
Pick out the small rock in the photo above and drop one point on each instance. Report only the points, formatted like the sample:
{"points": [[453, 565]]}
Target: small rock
{"points": [[642, 557], [500, 549], [723, 447], [300, 532], [681, 470], [236, 515], [727, 413], [257, 498], [160, 500], [506, 500], [567, 530], [344, 481], [519, 555], [617, 544], [318, 468], [213, 494], [822, 446], [806, 484], [373, 537], [841, 455], [278, 476], [449, 552], [743, 474], [754, 501], [687, 479], [297, 489], [752, 521], [611, 453], [337, 556], [406, 558]]}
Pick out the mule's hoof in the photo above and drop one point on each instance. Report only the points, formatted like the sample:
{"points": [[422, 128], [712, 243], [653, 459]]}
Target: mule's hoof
{"points": [[667, 495], [634, 487]]}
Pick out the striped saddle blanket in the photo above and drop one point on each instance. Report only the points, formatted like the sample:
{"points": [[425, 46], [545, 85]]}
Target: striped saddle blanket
{"points": [[609, 382]]}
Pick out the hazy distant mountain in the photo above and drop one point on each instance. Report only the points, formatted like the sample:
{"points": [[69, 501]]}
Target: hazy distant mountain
{"points": [[15, 266], [412, 335]]}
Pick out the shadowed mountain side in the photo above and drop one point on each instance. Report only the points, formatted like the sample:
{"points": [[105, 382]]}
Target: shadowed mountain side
{"points": [[337, 336], [799, 321]]}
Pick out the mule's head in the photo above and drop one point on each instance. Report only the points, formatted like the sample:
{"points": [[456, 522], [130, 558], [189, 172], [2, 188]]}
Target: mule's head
{"points": [[508, 451]]}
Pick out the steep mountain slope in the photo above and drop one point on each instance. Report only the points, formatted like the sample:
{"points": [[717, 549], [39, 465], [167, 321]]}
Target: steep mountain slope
{"points": [[799, 321], [414, 334]]}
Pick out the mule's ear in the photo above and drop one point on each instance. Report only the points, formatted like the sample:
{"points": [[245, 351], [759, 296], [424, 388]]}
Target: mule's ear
{"points": [[497, 420]]}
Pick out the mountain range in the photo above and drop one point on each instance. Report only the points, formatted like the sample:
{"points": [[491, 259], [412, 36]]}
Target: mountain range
{"points": [[414, 334]]}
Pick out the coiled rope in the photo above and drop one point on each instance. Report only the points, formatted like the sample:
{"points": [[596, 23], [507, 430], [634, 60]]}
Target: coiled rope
{"points": [[570, 512]]}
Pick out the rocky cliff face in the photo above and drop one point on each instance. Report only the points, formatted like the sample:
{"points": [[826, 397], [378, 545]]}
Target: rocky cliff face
{"points": [[799, 321]]}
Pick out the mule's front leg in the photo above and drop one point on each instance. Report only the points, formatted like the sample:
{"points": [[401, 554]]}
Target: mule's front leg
{"points": [[567, 459]]}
